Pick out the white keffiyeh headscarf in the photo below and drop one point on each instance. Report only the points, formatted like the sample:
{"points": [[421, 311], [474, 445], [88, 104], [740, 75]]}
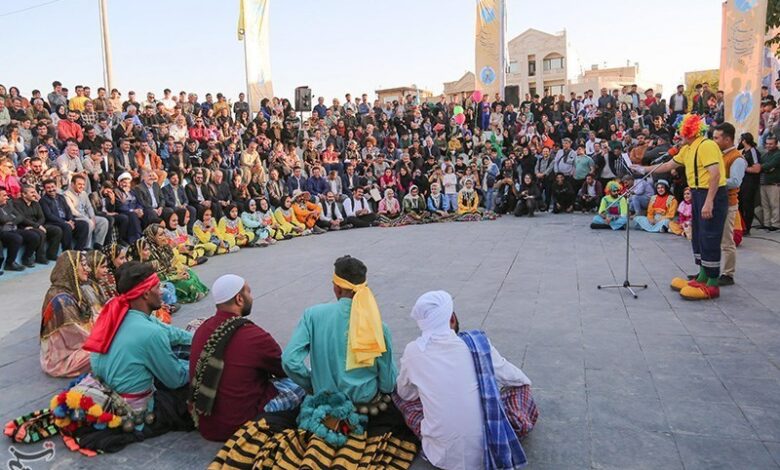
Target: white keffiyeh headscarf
{"points": [[432, 311]]}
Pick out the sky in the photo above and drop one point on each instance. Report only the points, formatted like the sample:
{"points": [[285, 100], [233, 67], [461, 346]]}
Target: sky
{"points": [[336, 46]]}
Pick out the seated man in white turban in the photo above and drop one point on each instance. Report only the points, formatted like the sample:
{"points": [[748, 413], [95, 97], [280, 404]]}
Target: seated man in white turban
{"points": [[466, 417]]}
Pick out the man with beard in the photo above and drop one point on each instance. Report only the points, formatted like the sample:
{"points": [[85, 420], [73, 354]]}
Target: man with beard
{"points": [[247, 355]]}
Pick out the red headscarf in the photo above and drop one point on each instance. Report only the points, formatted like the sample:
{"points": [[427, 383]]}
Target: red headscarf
{"points": [[112, 315]]}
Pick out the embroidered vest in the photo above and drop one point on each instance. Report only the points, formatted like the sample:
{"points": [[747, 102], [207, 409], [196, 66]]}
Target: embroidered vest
{"points": [[728, 159]]}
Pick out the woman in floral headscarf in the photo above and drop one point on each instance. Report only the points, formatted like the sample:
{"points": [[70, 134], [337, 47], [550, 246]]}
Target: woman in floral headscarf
{"points": [[66, 318], [188, 249], [101, 279], [612, 214], [140, 251], [188, 286], [660, 210]]}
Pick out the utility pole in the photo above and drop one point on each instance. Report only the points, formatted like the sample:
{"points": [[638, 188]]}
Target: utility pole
{"points": [[108, 71]]}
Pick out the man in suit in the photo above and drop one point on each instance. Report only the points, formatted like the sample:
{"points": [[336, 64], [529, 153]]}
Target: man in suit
{"points": [[124, 159], [57, 213], [199, 194], [150, 196], [220, 191], [33, 220], [296, 181], [176, 198], [350, 180], [78, 200]]}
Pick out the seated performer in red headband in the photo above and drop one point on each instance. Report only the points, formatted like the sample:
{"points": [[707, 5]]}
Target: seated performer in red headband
{"points": [[139, 362]]}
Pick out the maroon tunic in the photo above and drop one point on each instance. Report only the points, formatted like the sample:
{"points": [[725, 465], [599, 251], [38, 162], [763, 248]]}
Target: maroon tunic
{"points": [[251, 357]]}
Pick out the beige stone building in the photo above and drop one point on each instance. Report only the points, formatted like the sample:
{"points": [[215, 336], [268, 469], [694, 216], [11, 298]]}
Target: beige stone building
{"points": [[460, 89], [538, 62], [399, 94], [612, 78]]}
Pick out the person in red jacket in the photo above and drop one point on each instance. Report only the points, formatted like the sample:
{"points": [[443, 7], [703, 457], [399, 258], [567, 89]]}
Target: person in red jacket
{"points": [[250, 355], [69, 128]]}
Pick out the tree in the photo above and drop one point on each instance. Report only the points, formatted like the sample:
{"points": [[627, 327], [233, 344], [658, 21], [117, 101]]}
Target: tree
{"points": [[773, 23]]}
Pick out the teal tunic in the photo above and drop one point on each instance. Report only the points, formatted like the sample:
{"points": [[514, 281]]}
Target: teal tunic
{"points": [[322, 333], [140, 352]]}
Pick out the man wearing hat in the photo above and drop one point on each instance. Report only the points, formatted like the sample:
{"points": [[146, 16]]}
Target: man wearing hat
{"points": [[448, 385], [348, 345], [231, 363]]}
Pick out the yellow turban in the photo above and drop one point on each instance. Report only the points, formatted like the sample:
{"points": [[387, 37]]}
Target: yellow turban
{"points": [[365, 339]]}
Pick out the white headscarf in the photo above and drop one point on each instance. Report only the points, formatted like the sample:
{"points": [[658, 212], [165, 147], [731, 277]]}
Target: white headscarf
{"points": [[432, 311]]}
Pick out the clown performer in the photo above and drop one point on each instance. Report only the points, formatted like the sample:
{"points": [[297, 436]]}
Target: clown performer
{"points": [[706, 174]]}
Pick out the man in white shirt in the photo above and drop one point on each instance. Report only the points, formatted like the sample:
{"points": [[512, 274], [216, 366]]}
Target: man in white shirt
{"points": [[358, 209], [330, 214], [440, 396]]}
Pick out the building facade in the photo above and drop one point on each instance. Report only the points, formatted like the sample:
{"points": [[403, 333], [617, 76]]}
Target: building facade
{"points": [[538, 62], [388, 95], [459, 90], [612, 78]]}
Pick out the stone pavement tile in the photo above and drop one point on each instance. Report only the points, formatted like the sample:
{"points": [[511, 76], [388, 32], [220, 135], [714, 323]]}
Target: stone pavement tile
{"points": [[547, 378], [600, 340], [619, 448], [570, 408], [707, 453], [610, 357], [754, 391], [725, 345], [661, 343], [552, 443], [630, 383], [699, 418], [708, 389], [743, 365], [701, 328], [620, 411], [672, 363], [765, 420], [651, 326], [616, 324], [774, 450], [570, 339]]}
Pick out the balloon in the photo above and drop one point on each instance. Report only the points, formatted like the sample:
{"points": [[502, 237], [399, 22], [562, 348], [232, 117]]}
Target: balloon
{"points": [[458, 110], [476, 96], [460, 118]]}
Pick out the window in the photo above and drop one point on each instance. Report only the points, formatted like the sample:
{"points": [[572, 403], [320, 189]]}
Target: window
{"points": [[513, 68], [531, 68], [555, 90], [553, 64], [532, 91]]}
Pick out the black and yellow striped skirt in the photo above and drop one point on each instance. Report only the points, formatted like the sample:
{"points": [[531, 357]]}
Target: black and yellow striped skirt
{"points": [[256, 446]]}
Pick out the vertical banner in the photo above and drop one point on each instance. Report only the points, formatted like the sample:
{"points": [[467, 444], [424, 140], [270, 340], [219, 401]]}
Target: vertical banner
{"points": [[490, 47], [253, 30], [742, 62]]}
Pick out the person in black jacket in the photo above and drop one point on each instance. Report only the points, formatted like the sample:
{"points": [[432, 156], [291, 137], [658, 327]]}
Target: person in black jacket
{"points": [[150, 196], [33, 219], [14, 237], [200, 196], [176, 198], [57, 212]]}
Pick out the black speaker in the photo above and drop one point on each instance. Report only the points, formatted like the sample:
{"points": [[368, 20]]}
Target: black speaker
{"points": [[303, 99], [512, 95]]}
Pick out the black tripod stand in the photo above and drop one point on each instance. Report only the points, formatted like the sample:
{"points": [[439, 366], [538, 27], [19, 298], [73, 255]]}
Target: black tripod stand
{"points": [[626, 282]]}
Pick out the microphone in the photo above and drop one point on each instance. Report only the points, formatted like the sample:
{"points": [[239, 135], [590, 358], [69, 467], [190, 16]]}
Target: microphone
{"points": [[666, 156]]}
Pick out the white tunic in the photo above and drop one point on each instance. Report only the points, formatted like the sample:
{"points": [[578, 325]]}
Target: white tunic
{"points": [[444, 379]]}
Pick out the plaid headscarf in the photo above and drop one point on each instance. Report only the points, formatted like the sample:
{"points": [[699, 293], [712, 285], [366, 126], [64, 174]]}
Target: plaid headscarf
{"points": [[502, 448]]}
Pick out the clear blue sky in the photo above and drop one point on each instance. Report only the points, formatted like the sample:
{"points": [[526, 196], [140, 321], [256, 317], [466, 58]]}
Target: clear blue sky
{"points": [[337, 46]]}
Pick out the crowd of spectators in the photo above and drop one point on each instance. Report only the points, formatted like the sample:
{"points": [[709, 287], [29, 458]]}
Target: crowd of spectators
{"points": [[82, 170]]}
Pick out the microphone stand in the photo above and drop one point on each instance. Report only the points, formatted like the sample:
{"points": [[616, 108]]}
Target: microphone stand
{"points": [[626, 282]]}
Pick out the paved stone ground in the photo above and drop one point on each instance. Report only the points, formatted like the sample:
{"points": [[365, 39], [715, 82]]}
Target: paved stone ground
{"points": [[621, 383]]}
